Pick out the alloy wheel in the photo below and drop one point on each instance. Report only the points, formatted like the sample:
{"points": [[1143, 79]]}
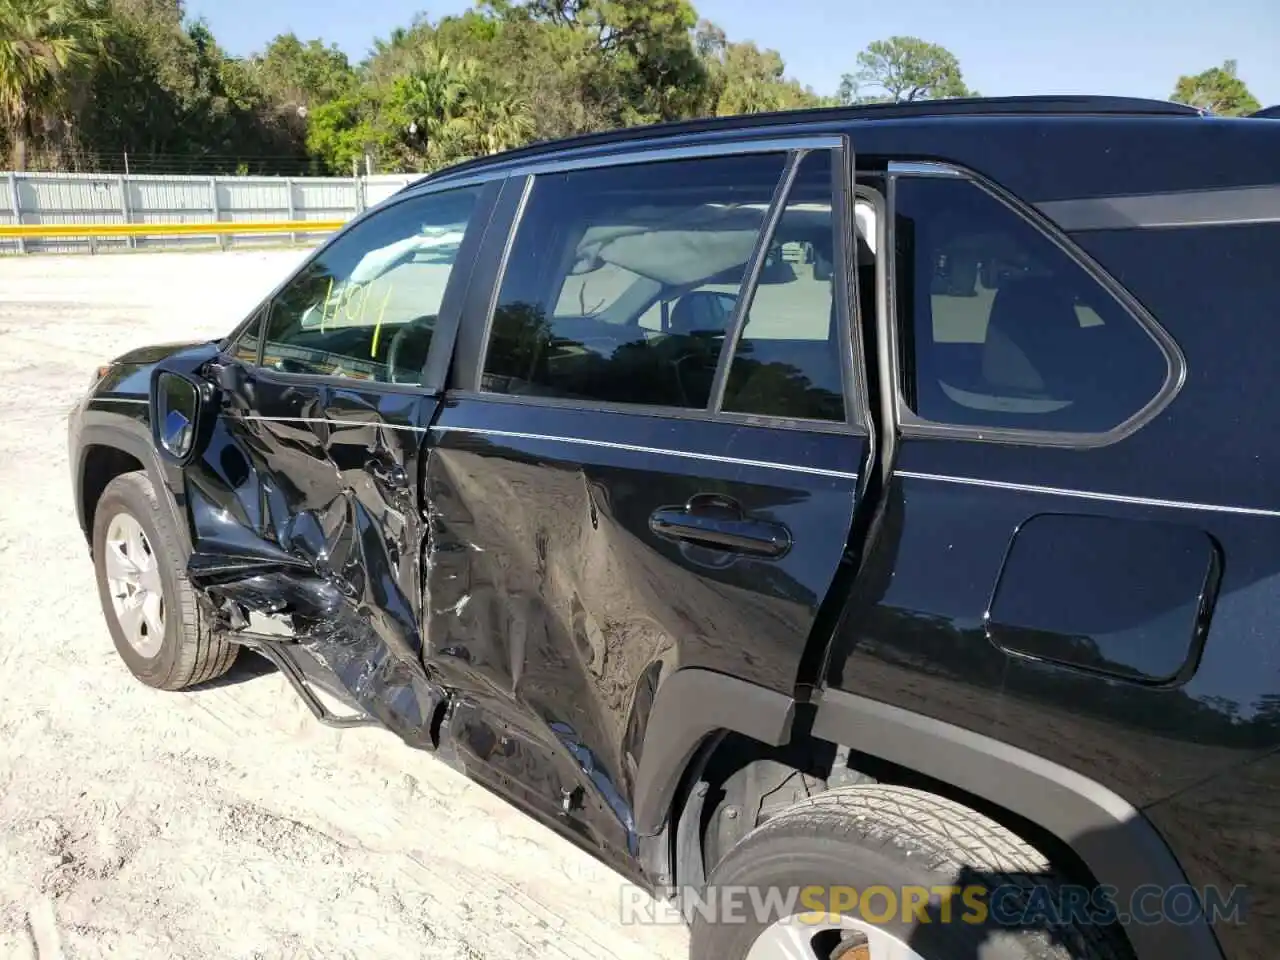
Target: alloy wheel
{"points": [[133, 580], [828, 937]]}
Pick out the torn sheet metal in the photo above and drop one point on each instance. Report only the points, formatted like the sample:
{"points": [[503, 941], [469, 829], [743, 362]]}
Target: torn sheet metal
{"points": [[305, 514]]}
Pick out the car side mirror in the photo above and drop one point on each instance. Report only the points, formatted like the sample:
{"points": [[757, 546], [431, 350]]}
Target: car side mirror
{"points": [[177, 406]]}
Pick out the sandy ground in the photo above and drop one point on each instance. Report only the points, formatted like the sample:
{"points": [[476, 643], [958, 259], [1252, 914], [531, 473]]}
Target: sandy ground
{"points": [[222, 822]]}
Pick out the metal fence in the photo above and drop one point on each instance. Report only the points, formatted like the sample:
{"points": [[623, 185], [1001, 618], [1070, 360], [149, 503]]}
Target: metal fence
{"points": [[82, 198]]}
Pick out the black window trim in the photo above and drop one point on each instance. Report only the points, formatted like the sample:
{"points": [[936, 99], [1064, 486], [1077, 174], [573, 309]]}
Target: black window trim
{"points": [[910, 424], [858, 420], [447, 322], [751, 280]]}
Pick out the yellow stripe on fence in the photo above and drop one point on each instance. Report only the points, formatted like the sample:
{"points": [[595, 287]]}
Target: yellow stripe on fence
{"points": [[221, 228]]}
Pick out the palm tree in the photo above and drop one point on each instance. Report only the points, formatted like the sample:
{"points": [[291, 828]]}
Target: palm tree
{"points": [[431, 99], [496, 119], [43, 45]]}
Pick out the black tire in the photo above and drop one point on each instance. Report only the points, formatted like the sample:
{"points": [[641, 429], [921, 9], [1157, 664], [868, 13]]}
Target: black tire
{"points": [[190, 651], [894, 837]]}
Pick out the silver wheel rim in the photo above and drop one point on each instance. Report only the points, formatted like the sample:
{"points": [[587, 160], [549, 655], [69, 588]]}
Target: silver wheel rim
{"points": [[792, 938], [133, 580]]}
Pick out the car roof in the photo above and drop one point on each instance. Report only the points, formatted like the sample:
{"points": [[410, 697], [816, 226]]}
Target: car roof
{"points": [[820, 118], [1035, 148]]}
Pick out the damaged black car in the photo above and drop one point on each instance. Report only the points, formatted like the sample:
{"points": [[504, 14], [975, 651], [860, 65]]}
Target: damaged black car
{"points": [[812, 504]]}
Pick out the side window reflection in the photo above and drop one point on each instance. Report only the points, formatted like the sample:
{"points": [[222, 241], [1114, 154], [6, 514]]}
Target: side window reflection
{"points": [[366, 307], [622, 280]]}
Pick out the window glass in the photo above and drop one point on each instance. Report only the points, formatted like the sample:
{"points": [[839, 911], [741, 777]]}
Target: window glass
{"points": [[245, 348], [366, 307], [622, 280], [787, 362], [1005, 329]]}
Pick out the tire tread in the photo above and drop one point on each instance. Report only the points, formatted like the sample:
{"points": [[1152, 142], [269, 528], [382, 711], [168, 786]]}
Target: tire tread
{"points": [[202, 653], [945, 835]]}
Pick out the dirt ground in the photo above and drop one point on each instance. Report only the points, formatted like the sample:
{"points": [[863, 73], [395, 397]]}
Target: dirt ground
{"points": [[223, 822]]}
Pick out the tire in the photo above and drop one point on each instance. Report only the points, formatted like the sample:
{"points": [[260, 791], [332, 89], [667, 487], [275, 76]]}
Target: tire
{"points": [[188, 651], [889, 837]]}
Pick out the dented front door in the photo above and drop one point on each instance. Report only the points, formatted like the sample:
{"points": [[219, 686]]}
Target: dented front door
{"points": [[304, 514]]}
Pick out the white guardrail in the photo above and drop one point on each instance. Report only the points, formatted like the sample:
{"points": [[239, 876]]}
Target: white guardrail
{"points": [[148, 211]]}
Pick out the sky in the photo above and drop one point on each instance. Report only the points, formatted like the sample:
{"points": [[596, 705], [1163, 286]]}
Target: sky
{"points": [[1005, 47]]}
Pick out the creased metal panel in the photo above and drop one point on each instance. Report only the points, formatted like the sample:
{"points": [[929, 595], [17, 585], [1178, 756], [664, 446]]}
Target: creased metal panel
{"points": [[311, 522]]}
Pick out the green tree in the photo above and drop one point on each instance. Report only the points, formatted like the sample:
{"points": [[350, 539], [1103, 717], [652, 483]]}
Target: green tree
{"points": [[495, 118], [904, 69], [455, 111], [293, 74], [45, 45], [557, 71], [744, 78], [640, 65], [172, 98], [426, 107], [399, 53], [342, 131], [1218, 90], [158, 86]]}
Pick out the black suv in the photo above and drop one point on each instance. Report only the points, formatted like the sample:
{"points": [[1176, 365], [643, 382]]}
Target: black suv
{"points": [[879, 504]]}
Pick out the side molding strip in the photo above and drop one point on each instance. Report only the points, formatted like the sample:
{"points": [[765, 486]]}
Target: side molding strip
{"points": [[689, 705], [1115, 841], [1088, 494], [1230, 206], [653, 451]]}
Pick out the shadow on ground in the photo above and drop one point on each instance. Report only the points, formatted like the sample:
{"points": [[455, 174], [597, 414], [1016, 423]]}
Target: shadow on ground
{"points": [[248, 666]]}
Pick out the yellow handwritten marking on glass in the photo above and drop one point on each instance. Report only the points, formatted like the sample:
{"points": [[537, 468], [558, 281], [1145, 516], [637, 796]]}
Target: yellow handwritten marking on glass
{"points": [[377, 330], [324, 307], [363, 291]]}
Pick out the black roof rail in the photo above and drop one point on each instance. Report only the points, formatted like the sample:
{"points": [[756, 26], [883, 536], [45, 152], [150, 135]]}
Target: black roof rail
{"points": [[1268, 113], [957, 107]]}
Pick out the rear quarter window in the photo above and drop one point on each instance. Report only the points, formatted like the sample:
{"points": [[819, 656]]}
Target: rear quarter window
{"points": [[1005, 329]]}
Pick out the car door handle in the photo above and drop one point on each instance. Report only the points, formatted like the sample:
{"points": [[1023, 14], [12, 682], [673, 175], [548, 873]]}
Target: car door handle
{"points": [[718, 522]]}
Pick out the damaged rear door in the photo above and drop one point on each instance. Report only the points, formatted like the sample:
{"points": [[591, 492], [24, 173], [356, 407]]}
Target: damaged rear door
{"points": [[303, 503]]}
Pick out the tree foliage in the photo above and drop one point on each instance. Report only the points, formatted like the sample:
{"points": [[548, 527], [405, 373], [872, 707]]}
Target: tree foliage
{"points": [[45, 48], [1218, 90], [904, 69], [742, 78], [83, 83], [299, 75]]}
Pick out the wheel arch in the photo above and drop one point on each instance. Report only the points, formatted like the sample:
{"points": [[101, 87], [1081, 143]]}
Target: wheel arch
{"points": [[1110, 839], [690, 706], [108, 447]]}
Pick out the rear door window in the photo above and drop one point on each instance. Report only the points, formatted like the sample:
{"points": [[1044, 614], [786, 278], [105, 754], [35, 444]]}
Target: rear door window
{"points": [[622, 281], [788, 359]]}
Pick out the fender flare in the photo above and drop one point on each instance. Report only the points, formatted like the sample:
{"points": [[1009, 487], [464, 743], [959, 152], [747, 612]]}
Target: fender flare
{"points": [[102, 429], [1114, 840], [689, 706]]}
